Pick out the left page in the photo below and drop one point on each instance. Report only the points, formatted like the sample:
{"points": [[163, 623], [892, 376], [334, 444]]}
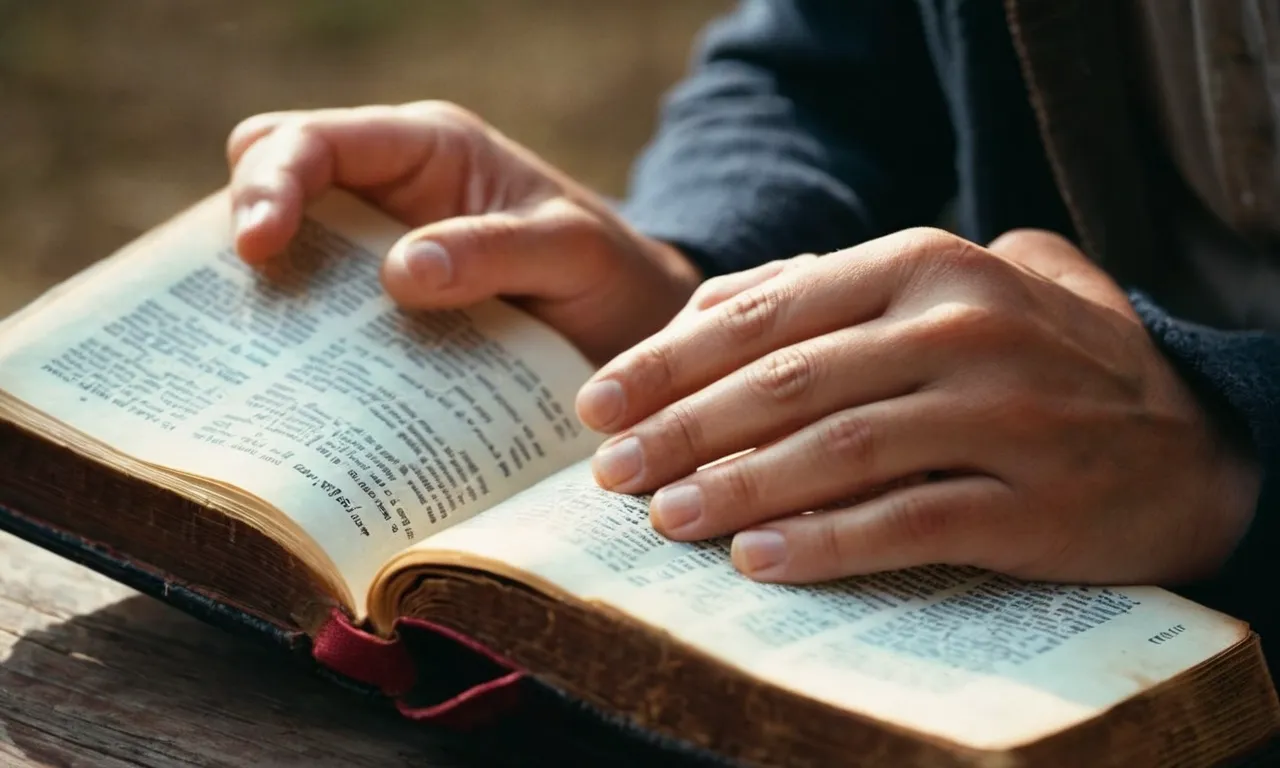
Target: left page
{"points": [[370, 428]]}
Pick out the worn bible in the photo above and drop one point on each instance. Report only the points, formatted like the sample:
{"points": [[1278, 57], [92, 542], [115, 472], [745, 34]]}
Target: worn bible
{"points": [[282, 450]]}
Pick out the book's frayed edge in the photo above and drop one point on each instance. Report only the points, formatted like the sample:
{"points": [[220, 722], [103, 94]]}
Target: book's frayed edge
{"points": [[207, 607], [217, 612]]}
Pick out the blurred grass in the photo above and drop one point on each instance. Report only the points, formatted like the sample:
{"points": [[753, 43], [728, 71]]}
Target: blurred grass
{"points": [[113, 113]]}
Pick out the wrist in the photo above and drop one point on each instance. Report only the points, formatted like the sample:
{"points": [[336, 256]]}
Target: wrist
{"points": [[676, 262]]}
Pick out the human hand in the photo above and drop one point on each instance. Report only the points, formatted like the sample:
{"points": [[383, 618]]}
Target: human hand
{"points": [[1056, 442], [492, 218]]}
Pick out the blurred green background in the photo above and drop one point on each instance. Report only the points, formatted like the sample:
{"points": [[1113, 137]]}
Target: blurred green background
{"points": [[113, 113]]}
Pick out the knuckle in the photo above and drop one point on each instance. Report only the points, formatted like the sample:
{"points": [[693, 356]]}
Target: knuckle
{"points": [[940, 253], [782, 376], [848, 438], [576, 229], [918, 519], [445, 113], [454, 131], [923, 240], [681, 425], [298, 142], [741, 485], [485, 237], [560, 212], [242, 131], [297, 125], [933, 257], [750, 315], [829, 543], [965, 255], [654, 367], [966, 261], [709, 293]]}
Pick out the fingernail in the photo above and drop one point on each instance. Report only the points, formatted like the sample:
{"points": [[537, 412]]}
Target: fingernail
{"points": [[676, 507], [253, 216], [759, 552], [616, 464], [427, 264], [600, 404]]}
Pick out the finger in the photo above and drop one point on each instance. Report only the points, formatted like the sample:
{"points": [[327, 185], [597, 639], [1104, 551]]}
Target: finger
{"points": [[553, 251], [765, 400], [837, 458], [954, 521], [269, 192], [251, 129], [717, 289], [816, 297], [364, 149], [1057, 259]]}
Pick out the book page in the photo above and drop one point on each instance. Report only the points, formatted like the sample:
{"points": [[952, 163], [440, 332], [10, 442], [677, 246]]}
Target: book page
{"points": [[959, 653], [369, 427]]}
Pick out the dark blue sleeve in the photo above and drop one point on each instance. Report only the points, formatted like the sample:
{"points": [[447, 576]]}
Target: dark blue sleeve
{"points": [[1236, 375], [812, 125], [805, 126]]}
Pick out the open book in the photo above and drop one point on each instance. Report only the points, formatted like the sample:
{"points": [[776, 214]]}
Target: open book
{"points": [[286, 444]]}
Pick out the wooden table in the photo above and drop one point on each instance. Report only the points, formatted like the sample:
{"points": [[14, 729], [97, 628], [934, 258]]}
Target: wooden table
{"points": [[95, 674]]}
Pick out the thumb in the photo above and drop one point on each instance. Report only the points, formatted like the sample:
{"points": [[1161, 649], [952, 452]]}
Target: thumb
{"points": [[552, 251], [1058, 260]]}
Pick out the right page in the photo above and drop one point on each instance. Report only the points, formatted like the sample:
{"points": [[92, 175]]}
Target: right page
{"points": [[964, 654]]}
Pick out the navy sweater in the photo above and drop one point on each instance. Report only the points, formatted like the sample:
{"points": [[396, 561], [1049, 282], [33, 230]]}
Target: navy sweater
{"points": [[812, 125]]}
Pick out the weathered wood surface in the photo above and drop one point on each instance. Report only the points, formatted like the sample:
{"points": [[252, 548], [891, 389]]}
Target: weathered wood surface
{"points": [[95, 674]]}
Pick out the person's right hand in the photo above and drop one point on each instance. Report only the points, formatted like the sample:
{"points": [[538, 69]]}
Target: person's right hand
{"points": [[492, 218]]}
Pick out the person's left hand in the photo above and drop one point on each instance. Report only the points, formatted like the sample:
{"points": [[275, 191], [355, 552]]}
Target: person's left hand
{"points": [[934, 402]]}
